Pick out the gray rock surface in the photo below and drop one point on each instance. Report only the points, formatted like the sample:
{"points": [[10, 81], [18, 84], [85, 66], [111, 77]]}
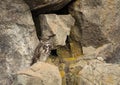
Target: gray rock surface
{"points": [[17, 38], [58, 25], [39, 74], [45, 6]]}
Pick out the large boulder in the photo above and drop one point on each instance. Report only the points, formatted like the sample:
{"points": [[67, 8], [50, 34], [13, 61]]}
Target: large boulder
{"points": [[98, 21], [58, 25], [87, 14], [45, 6], [17, 38], [39, 74]]}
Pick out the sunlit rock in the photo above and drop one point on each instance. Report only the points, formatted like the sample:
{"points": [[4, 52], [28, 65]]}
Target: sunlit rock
{"points": [[58, 25], [39, 74]]}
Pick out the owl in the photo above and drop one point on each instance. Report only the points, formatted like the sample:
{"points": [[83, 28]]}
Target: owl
{"points": [[42, 51]]}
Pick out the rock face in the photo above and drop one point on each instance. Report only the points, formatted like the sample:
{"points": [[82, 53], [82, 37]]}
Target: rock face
{"points": [[17, 38], [108, 52], [94, 72], [87, 14], [39, 74], [46, 6], [99, 74], [58, 25], [93, 33], [99, 23]]}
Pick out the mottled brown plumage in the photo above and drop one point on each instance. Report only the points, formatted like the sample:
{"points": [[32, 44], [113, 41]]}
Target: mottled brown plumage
{"points": [[43, 50]]}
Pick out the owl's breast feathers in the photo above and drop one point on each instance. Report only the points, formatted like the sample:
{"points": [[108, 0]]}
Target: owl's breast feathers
{"points": [[42, 51]]}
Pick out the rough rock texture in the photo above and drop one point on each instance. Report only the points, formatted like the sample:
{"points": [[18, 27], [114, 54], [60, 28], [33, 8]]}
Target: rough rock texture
{"points": [[94, 31], [108, 52], [93, 68], [87, 14], [39, 74], [17, 38], [45, 6], [99, 23], [93, 72], [110, 20], [99, 74], [58, 25], [104, 51]]}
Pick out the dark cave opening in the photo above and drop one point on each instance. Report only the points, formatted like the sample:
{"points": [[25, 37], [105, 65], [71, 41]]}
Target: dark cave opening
{"points": [[37, 25], [54, 52]]}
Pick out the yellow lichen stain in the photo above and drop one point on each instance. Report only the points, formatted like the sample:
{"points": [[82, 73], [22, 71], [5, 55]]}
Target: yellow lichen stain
{"points": [[61, 69], [62, 73], [64, 52], [70, 54], [75, 49], [69, 59], [75, 45]]}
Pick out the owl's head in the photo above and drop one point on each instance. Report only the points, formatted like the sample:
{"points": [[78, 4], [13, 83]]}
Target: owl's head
{"points": [[48, 40]]}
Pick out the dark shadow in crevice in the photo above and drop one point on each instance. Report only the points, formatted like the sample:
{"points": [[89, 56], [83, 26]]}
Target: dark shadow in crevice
{"points": [[68, 42], [54, 52], [63, 11], [37, 25]]}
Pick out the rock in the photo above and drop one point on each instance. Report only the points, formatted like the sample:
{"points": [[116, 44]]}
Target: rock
{"points": [[94, 72], [75, 42], [17, 38], [100, 74], [110, 21], [45, 6], [39, 74], [72, 69], [87, 15], [59, 25], [108, 52], [95, 20], [89, 50]]}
